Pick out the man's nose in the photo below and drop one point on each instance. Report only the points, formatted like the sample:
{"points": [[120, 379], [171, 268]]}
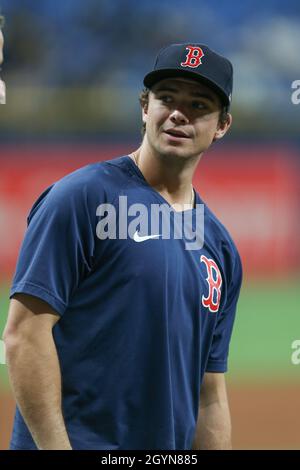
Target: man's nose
{"points": [[178, 117]]}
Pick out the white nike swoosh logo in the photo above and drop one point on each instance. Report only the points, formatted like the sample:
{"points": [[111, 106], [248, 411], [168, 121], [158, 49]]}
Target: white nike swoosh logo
{"points": [[139, 239]]}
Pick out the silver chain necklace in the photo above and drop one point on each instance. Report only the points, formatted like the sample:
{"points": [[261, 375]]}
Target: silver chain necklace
{"points": [[192, 203]]}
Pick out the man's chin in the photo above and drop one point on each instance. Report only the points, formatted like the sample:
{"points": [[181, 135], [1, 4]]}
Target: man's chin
{"points": [[175, 153]]}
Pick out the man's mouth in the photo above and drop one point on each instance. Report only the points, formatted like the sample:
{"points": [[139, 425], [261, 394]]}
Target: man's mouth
{"points": [[177, 134]]}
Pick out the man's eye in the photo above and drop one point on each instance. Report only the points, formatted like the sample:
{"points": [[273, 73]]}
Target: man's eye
{"points": [[199, 105], [166, 98]]}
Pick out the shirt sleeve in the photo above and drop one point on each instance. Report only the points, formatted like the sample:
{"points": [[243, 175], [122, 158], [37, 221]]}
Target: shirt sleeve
{"points": [[58, 247], [218, 356]]}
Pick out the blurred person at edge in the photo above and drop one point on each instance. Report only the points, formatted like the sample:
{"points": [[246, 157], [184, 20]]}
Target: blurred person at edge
{"points": [[2, 84]]}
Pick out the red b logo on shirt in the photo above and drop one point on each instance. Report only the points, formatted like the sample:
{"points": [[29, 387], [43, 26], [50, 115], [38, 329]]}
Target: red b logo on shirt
{"points": [[193, 58], [214, 279]]}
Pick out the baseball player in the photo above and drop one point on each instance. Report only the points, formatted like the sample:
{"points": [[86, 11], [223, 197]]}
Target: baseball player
{"points": [[118, 335], [2, 84]]}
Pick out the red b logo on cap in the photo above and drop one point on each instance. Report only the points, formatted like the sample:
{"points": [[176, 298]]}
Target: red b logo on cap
{"points": [[193, 57]]}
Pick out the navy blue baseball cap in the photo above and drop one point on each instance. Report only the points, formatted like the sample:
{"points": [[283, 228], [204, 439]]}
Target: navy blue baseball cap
{"points": [[194, 61]]}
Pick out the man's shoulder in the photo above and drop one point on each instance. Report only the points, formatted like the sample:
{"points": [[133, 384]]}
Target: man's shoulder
{"points": [[87, 186], [224, 247], [218, 226], [103, 172], [95, 179], [219, 234]]}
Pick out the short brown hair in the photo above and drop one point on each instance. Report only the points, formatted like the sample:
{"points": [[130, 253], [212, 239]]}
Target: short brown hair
{"points": [[144, 98]]}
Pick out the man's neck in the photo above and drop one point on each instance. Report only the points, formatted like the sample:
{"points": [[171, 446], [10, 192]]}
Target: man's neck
{"points": [[170, 176]]}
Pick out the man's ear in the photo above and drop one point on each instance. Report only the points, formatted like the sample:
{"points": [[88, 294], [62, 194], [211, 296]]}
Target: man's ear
{"points": [[223, 128], [145, 112]]}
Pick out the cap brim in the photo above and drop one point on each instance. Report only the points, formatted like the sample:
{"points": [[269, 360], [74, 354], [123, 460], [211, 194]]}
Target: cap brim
{"points": [[157, 75]]}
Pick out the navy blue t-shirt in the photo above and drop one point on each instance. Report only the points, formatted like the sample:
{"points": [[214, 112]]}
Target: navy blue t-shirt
{"points": [[142, 319]]}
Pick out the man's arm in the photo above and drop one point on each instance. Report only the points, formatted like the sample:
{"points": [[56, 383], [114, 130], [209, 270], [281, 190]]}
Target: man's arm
{"points": [[34, 370], [213, 430]]}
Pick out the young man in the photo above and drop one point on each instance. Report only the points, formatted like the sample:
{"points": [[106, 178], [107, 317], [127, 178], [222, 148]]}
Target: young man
{"points": [[2, 84], [119, 328]]}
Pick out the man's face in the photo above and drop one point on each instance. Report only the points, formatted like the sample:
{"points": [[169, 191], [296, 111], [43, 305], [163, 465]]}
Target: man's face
{"points": [[182, 118], [2, 84]]}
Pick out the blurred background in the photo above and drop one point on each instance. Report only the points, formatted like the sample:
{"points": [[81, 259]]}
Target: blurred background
{"points": [[73, 72]]}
